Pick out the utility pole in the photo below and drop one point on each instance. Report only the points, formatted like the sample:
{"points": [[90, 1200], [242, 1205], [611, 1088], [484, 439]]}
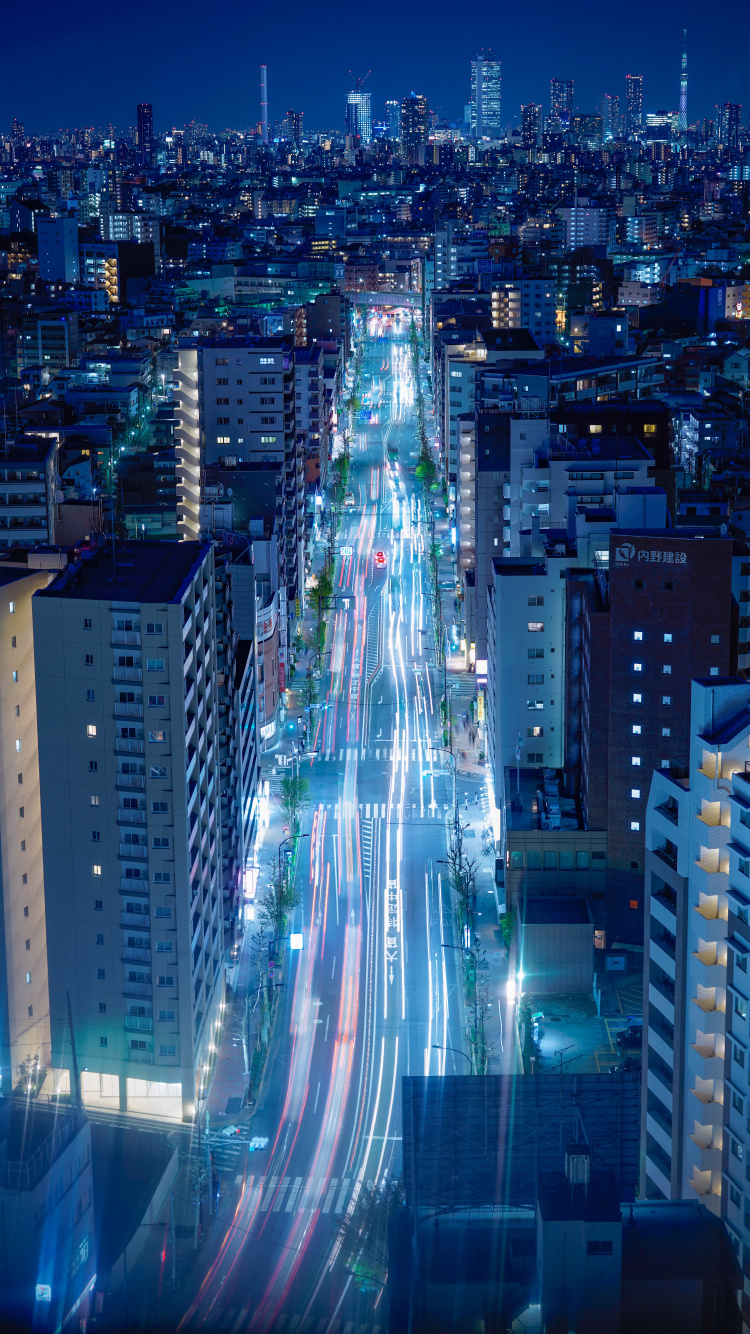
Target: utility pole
{"points": [[174, 1248], [76, 1076]]}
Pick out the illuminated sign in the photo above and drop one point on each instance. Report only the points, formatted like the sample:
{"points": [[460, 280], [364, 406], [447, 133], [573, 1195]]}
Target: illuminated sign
{"points": [[626, 553], [43, 1292], [296, 940]]}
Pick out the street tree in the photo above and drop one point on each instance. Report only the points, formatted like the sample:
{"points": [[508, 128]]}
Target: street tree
{"points": [[295, 795], [278, 902]]}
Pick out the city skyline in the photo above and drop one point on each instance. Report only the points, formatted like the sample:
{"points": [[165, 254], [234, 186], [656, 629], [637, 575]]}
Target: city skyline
{"points": [[181, 91]]}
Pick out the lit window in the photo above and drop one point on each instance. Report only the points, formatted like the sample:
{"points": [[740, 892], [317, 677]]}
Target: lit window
{"points": [[91, 729], [635, 826], [665, 731], [664, 764], [535, 627], [18, 743], [11, 607], [535, 731], [713, 671], [666, 699], [97, 870], [637, 729], [637, 666], [715, 639], [667, 639], [635, 792], [666, 669], [28, 979], [637, 699], [635, 759], [638, 634], [157, 736]]}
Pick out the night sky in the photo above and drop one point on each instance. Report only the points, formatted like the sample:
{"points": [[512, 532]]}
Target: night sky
{"points": [[88, 65]]}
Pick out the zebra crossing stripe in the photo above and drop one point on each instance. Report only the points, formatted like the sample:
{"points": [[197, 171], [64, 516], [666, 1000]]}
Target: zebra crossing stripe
{"points": [[280, 1194], [342, 1193], [269, 1194], [329, 1197], [293, 1194]]}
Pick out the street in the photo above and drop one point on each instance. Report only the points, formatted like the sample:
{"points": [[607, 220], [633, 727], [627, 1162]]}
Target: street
{"points": [[373, 995]]}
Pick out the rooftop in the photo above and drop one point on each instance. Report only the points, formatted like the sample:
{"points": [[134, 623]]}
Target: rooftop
{"points": [[150, 572]]}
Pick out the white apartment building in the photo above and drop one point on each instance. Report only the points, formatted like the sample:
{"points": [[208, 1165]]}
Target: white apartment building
{"points": [[126, 689], [457, 250], [696, 1053], [526, 303], [588, 225]]}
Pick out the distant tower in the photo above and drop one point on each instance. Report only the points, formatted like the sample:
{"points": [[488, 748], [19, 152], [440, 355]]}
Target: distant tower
{"points": [[264, 101], [144, 133], [682, 121]]}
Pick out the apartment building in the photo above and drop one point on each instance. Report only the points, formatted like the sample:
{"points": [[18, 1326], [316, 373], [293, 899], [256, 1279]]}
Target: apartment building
{"points": [[695, 1124], [311, 412], [125, 656], [235, 404], [27, 492], [526, 303], [50, 339]]}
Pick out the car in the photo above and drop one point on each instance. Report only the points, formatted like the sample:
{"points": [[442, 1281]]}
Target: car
{"points": [[349, 499], [380, 560], [631, 1036]]}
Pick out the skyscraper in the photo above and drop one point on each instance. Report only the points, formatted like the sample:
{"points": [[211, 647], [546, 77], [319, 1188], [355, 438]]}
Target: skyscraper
{"points": [[728, 125], [291, 127], [561, 99], [358, 115], [144, 134], [414, 127], [485, 97], [682, 119], [633, 103], [609, 110], [393, 120], [531, 125]]}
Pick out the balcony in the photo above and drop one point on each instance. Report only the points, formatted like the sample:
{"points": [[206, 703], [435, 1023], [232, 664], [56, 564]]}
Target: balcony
{"points": [[131, 817], [143, 989], [128, 710], [670, 810], [133, 851], [130, 954], [668, 853], [140, 1057], [139, 1023], [136, 781], [129, 746], [122, 638], [127, 674], [139, 919]]}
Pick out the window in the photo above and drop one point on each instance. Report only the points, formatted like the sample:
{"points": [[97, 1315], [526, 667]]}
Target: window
{"points": [[102, 1042], [28, 979], [535, 731], [666, 699], [736, 1149], [637, 666], [95, 836], [154, 664], [667, 639], [665, 731], [157, 736], [223, 439], [93, 801], [159, 808], [739, 1055], [166, 1049], [21, 811], [535, 704], [635, 759], [713, 671], [734, 1194], [20, 778], [98, 905], [156, 701], [637, 699], [535, 653], [535, 680], [102, 1007], [638, 634], [15, 677], [154, 627], [268, 439], [96, 869], [160, 911], [635, 826], [100, 939], [158, 771], [599, 1247], [715, 639], [535, 627], [635, 792], [87, 622], [88, 659], [637, 729], [637, 583], [163, 947], [221, 361], [90, 697], [165, 980], [162, 877], [738, 1103], [13, 641], [160, 842], [166, 1016], [740, 1006], [536, 600], [91, 729], [666, 669], [100, 974]]}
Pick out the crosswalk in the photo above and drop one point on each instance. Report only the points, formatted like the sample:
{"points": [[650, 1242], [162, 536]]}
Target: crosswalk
{"points": [[299, 1195], [373, 643], [226, 1149], [377, 811], [382, 753], [233, 1321]]}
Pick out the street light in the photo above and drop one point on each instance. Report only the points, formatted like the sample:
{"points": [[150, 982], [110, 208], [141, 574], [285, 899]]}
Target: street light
{"points": [[445, 751], [283, 844], [440, 1047]]}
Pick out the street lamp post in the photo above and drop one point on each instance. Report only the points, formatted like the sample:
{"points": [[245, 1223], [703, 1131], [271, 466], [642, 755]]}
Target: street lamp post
{"points": [[445, 751], [438, 1046]]}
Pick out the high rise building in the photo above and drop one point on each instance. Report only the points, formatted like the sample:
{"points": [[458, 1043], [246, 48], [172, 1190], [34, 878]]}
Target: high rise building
{"points": [[728, 126], [58, 249], [291, 128], [531, 125], [609, 110], [561, 99], [358, 115], [126, 690], [393, 120], [682, 118], [485, 99], [633, 103], [144, 134], [414, 125], [17, 136]]}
